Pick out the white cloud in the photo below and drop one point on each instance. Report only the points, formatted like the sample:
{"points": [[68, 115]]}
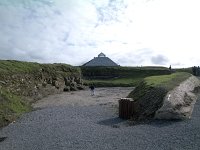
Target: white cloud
{"points": [[76, 31]]}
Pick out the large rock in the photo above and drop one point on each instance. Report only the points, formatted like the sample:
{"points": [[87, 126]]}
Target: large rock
{"points": [[179, 102]]}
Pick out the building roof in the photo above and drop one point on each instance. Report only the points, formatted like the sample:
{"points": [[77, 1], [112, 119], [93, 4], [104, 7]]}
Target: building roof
{"points": [[101, 60], [101, 55]]}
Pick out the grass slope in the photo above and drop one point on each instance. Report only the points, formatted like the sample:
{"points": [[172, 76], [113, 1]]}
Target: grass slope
{"points": [[167, 81], [149, 94], [12, 67], [11, 107]]}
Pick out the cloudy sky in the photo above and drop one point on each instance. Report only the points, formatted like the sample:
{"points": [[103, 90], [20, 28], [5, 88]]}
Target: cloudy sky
{"points": [[130, 32]]}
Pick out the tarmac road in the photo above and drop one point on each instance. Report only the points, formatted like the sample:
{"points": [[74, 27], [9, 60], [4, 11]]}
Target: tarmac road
{"points": [[97, 127]]}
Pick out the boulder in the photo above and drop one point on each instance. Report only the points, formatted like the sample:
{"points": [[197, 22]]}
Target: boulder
{"points": [[179, 102], [67, 81], [66, 89], [73, 88], [2, 82], [80, 86], [78, 80]]}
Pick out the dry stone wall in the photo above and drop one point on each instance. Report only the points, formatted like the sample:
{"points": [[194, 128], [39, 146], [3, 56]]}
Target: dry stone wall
{"points": [[39, 84]]}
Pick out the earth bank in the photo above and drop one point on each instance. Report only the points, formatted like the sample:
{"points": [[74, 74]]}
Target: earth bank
{"points": [[165, 97], [22, 83]]}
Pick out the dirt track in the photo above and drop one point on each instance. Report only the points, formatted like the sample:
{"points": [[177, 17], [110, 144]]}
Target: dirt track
{"points": [[103, 96]]}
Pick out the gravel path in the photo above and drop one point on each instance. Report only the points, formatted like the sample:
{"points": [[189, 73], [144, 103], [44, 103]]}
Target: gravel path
{"points": [[97, 127], [103, 96]]}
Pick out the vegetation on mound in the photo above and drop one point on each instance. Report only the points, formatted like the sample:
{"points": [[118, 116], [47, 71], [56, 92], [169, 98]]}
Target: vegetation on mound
{"points": [[11, 107], [122, 72], [188, 70], [149, 94], [167, 81], [12, 66], [17, 67], [119, 76], [115, 82], [25, 79]]}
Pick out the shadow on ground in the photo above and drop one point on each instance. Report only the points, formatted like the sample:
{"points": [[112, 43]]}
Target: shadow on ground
{"points": [[2, 139]]}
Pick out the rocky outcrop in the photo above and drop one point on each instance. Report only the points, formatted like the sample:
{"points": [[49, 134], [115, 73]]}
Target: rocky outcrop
{"points": [[179, 102]]}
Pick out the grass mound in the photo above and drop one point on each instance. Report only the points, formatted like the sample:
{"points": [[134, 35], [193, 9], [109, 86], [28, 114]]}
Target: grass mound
{"points": [[149, 94]]}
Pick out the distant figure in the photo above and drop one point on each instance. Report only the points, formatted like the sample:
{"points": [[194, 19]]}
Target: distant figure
{"points": [[170, 68], [196, 70], [193, 70], [92, 89]]}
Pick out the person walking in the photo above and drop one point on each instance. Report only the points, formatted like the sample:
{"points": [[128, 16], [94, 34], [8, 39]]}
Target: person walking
{"points": [[92, 89]]}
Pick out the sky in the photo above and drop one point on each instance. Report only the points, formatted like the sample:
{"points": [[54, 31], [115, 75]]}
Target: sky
{"points": [[130, 32]]}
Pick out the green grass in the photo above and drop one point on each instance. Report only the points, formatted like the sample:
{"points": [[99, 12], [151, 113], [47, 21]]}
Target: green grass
{"points": [[164, 82], [12, 66], [189, 70], [119, 76], [11, 107], [9, 67], [167, 81], [116, 82], [122, 72]]}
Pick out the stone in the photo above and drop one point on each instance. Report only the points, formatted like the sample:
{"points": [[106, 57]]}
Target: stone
{"points": [[66, 89], [179, 102], [2, 82], [67, 81], [73, 88], [78, 80], [80, 87]]}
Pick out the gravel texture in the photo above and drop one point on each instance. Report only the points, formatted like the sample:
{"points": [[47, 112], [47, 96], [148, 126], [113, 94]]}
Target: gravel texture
{"points": [[97, 127]]}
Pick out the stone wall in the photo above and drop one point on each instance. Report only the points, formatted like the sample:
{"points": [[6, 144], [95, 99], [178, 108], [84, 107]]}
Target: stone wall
{"points": [[38, 84]]}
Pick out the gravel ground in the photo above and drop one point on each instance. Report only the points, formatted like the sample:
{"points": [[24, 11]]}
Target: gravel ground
{"points": [[97, 127], [103, 96]]}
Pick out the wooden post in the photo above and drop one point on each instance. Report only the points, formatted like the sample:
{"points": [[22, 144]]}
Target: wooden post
{"points": [[126, 108]]}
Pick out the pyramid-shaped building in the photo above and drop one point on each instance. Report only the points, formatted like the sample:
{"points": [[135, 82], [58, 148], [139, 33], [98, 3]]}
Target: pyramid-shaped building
{"points": [[101, 60]]}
